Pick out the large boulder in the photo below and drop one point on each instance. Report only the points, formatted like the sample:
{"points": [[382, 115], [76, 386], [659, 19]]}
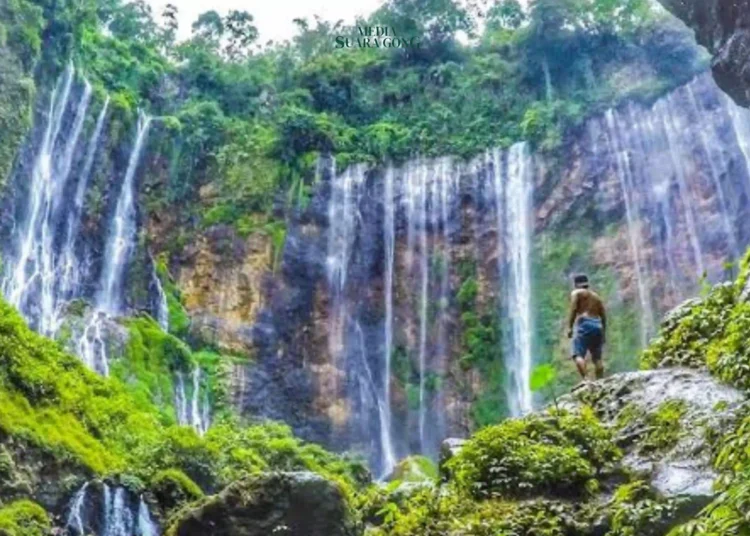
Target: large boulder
{"points": [[284, 504], [723, 27], [665, 421]]}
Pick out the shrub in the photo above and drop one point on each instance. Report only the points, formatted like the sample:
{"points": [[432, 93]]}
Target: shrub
{"points": [[23, 518], [552, 454]]}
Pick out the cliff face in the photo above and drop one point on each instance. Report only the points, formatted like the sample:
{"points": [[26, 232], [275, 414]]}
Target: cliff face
{"points": [[411, 303], [722, 26]]}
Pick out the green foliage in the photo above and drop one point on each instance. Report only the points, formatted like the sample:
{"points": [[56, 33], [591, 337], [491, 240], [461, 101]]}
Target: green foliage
{"points": [[687, 333], [542, 377], [552, 454], [415, 469], [637, 511], [663, 426], [24, 518], [17, 92], [51, 402]]}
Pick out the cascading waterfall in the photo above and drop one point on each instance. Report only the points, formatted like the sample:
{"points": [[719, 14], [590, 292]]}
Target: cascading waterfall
{"points": [[195, 411], [119, 515], [48, 265], [76, 515], [384, 404], [32, 285], [120, 242], [162, 308], [622, 171], [675, 162], [146, 525], [122, 232], [71, 268], [513, 190]]}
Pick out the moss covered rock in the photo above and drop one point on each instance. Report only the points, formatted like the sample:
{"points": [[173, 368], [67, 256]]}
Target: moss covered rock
{"points": [[293, 504]]}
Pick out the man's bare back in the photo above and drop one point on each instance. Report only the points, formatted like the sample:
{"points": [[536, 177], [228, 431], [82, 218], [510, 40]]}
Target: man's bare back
{"points": [[587, 325]]}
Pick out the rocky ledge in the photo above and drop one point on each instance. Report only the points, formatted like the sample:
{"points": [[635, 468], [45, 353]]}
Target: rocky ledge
{"points": [[723, 27]]}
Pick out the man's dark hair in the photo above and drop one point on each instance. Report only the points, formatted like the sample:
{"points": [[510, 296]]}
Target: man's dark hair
{"points": [[581, 281]]}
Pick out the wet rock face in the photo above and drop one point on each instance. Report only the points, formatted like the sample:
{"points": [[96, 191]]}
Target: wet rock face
{"points": [[292, 504], [722, 26], [665, 421], [220, 276]]}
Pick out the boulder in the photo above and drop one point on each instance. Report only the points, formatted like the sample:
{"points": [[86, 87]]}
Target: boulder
{"points": [[283, 504], [665, 420]]}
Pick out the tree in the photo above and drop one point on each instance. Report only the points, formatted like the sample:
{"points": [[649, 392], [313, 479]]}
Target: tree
{"points": [[241, 33]]}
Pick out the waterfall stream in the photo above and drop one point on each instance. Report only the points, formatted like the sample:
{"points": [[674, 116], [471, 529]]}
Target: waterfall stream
{"points": [[118, 247], [119, 514], [194, 410]]}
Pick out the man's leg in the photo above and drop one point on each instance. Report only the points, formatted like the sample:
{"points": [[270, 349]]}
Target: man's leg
{"points": [[578, 352], [596, 357], [580, 365]]}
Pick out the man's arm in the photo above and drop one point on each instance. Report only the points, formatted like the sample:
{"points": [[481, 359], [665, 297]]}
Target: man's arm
{"points": [[573, 312], [604, 324]]}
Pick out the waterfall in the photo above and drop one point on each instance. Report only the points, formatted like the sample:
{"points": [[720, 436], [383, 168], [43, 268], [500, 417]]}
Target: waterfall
{"points": [[622, 170], [388, 455], [32, 281], [122, 231], [120, 241], [180, 402], [423, 297], [513, 183], [194, 412], [76, 515], [146, 526], [198, 416], [162, 308], [71, 270], [371, 393]]}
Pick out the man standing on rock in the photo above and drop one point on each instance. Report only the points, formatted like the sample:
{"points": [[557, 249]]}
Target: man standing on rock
{"points": [[589, 320]]}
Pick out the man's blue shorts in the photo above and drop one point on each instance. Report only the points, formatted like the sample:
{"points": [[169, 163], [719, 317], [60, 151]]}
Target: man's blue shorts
{"points": [[588, 337]]}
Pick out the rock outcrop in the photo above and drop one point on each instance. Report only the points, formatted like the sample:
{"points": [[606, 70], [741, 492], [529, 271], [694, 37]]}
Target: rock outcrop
{"points": [[290, 504], [723, 27], [665, 421]]}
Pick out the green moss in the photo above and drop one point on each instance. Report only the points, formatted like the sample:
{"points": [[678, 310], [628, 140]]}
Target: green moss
{"points": [[51, 402], [179, 321], [551, 454], [663, 426], [173, 488], [149, 362], [24, 518]]}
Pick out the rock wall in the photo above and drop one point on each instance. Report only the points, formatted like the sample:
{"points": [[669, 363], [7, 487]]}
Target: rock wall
{"points": [[645, 203], [722, 26]]}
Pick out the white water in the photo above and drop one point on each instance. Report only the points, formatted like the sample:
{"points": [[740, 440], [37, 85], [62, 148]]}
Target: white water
{"points": [[146, 526], [372, 396], [388, 456], [122, 231], [162, 308], [71, 270], [120, 242], [624, 176], [193, 411], [513, 185], [31, 285], [75, 516]]}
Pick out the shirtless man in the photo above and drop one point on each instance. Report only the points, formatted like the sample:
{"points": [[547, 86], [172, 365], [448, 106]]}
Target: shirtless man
{"points": [[589, 319]]}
